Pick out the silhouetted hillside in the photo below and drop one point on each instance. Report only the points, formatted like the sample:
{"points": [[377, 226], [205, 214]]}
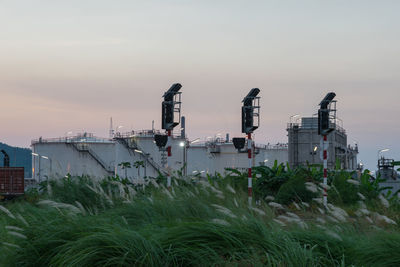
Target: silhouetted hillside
{"points": [[19, 157]]}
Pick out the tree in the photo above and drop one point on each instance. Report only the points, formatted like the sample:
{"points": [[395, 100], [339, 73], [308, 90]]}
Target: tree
{"points": [[125, 166], [138, 164]]}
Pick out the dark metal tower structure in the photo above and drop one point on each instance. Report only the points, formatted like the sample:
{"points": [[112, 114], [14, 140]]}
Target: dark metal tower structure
{"points": [[326, 114], [250, 122], [170, 117]]}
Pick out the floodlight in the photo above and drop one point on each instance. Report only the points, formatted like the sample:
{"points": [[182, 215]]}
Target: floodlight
{"points": [[161, 140], [382, 150], [239, 142], [250, 111], [194, 141]]}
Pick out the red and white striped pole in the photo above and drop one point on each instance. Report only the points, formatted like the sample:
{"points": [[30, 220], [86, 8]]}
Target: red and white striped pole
{"points": [[325, 158], [169, 155], [249, 180]]}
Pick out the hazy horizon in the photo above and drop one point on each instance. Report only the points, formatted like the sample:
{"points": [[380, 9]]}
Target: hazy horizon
{"points": [[70, 66]]}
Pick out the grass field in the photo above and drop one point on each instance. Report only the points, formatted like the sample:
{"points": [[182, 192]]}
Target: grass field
{"points": [[76, 221]]}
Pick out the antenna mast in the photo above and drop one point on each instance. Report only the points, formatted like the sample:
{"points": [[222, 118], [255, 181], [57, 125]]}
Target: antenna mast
{"points": [[111, 132]]}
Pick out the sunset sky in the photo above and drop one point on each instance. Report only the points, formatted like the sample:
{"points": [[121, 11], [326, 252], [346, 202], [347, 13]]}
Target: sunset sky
{"points": [[71, 65]]}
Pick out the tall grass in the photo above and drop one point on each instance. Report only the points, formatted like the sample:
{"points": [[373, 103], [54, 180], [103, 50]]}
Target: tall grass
{"points": [[80, 222]]}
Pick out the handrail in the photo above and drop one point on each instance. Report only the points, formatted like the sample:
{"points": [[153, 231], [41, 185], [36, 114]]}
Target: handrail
{"points": [[93, 155], [262, 146], [154, 164], [301, 126], [73, 139], [97, 158], [142, 133]]}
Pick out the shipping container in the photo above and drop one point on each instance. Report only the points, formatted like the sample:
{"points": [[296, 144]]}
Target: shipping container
{"points": [[11, 181]]}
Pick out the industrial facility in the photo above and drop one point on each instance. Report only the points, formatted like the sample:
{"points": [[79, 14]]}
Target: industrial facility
{"points": [[138, 154], [321, 140], [387, 172], [305, 146], [86, 154], [147, 153]]}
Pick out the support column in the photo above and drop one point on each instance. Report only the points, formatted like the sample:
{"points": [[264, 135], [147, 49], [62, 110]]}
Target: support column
{"points": [[39, 171], [168, 159], [249, 179], [325, 158]]}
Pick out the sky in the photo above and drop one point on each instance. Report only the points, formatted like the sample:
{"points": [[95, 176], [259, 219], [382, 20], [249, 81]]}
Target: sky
{"points": [[71, 65]]}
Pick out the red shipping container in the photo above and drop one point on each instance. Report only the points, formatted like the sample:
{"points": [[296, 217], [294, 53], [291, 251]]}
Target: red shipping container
{"points": [[11, 181]]}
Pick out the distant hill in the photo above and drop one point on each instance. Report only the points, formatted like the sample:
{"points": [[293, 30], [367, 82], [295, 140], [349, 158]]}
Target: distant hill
{"points": [[19, 157]]}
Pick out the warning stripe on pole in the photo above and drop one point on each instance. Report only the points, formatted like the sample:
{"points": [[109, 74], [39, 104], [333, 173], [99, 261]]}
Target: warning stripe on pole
{"points": [[169, 151], [249, 153], [325, 156]]}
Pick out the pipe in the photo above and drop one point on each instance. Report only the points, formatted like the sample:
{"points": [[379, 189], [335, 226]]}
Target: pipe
{"points": [[183, 127]]}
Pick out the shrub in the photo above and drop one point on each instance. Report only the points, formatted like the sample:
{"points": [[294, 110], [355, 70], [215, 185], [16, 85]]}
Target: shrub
{"points": [[197, 224], [343, 192], [295, 189]]}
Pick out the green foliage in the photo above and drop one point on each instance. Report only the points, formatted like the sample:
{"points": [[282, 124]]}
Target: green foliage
{"points": [[289, 184], [125, 165], [139, 163], [237, 179], [370, 187], [184, 227], [341, 190], [79, 188], [111, 181], [270, 179], [295, 189], [314, 172], [337, 164], [200, 222], [32, 195]]}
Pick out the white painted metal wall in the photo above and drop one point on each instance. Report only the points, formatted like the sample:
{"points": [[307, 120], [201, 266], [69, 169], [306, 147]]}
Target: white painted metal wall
{"points": [[200, 158], [72, 156]]}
